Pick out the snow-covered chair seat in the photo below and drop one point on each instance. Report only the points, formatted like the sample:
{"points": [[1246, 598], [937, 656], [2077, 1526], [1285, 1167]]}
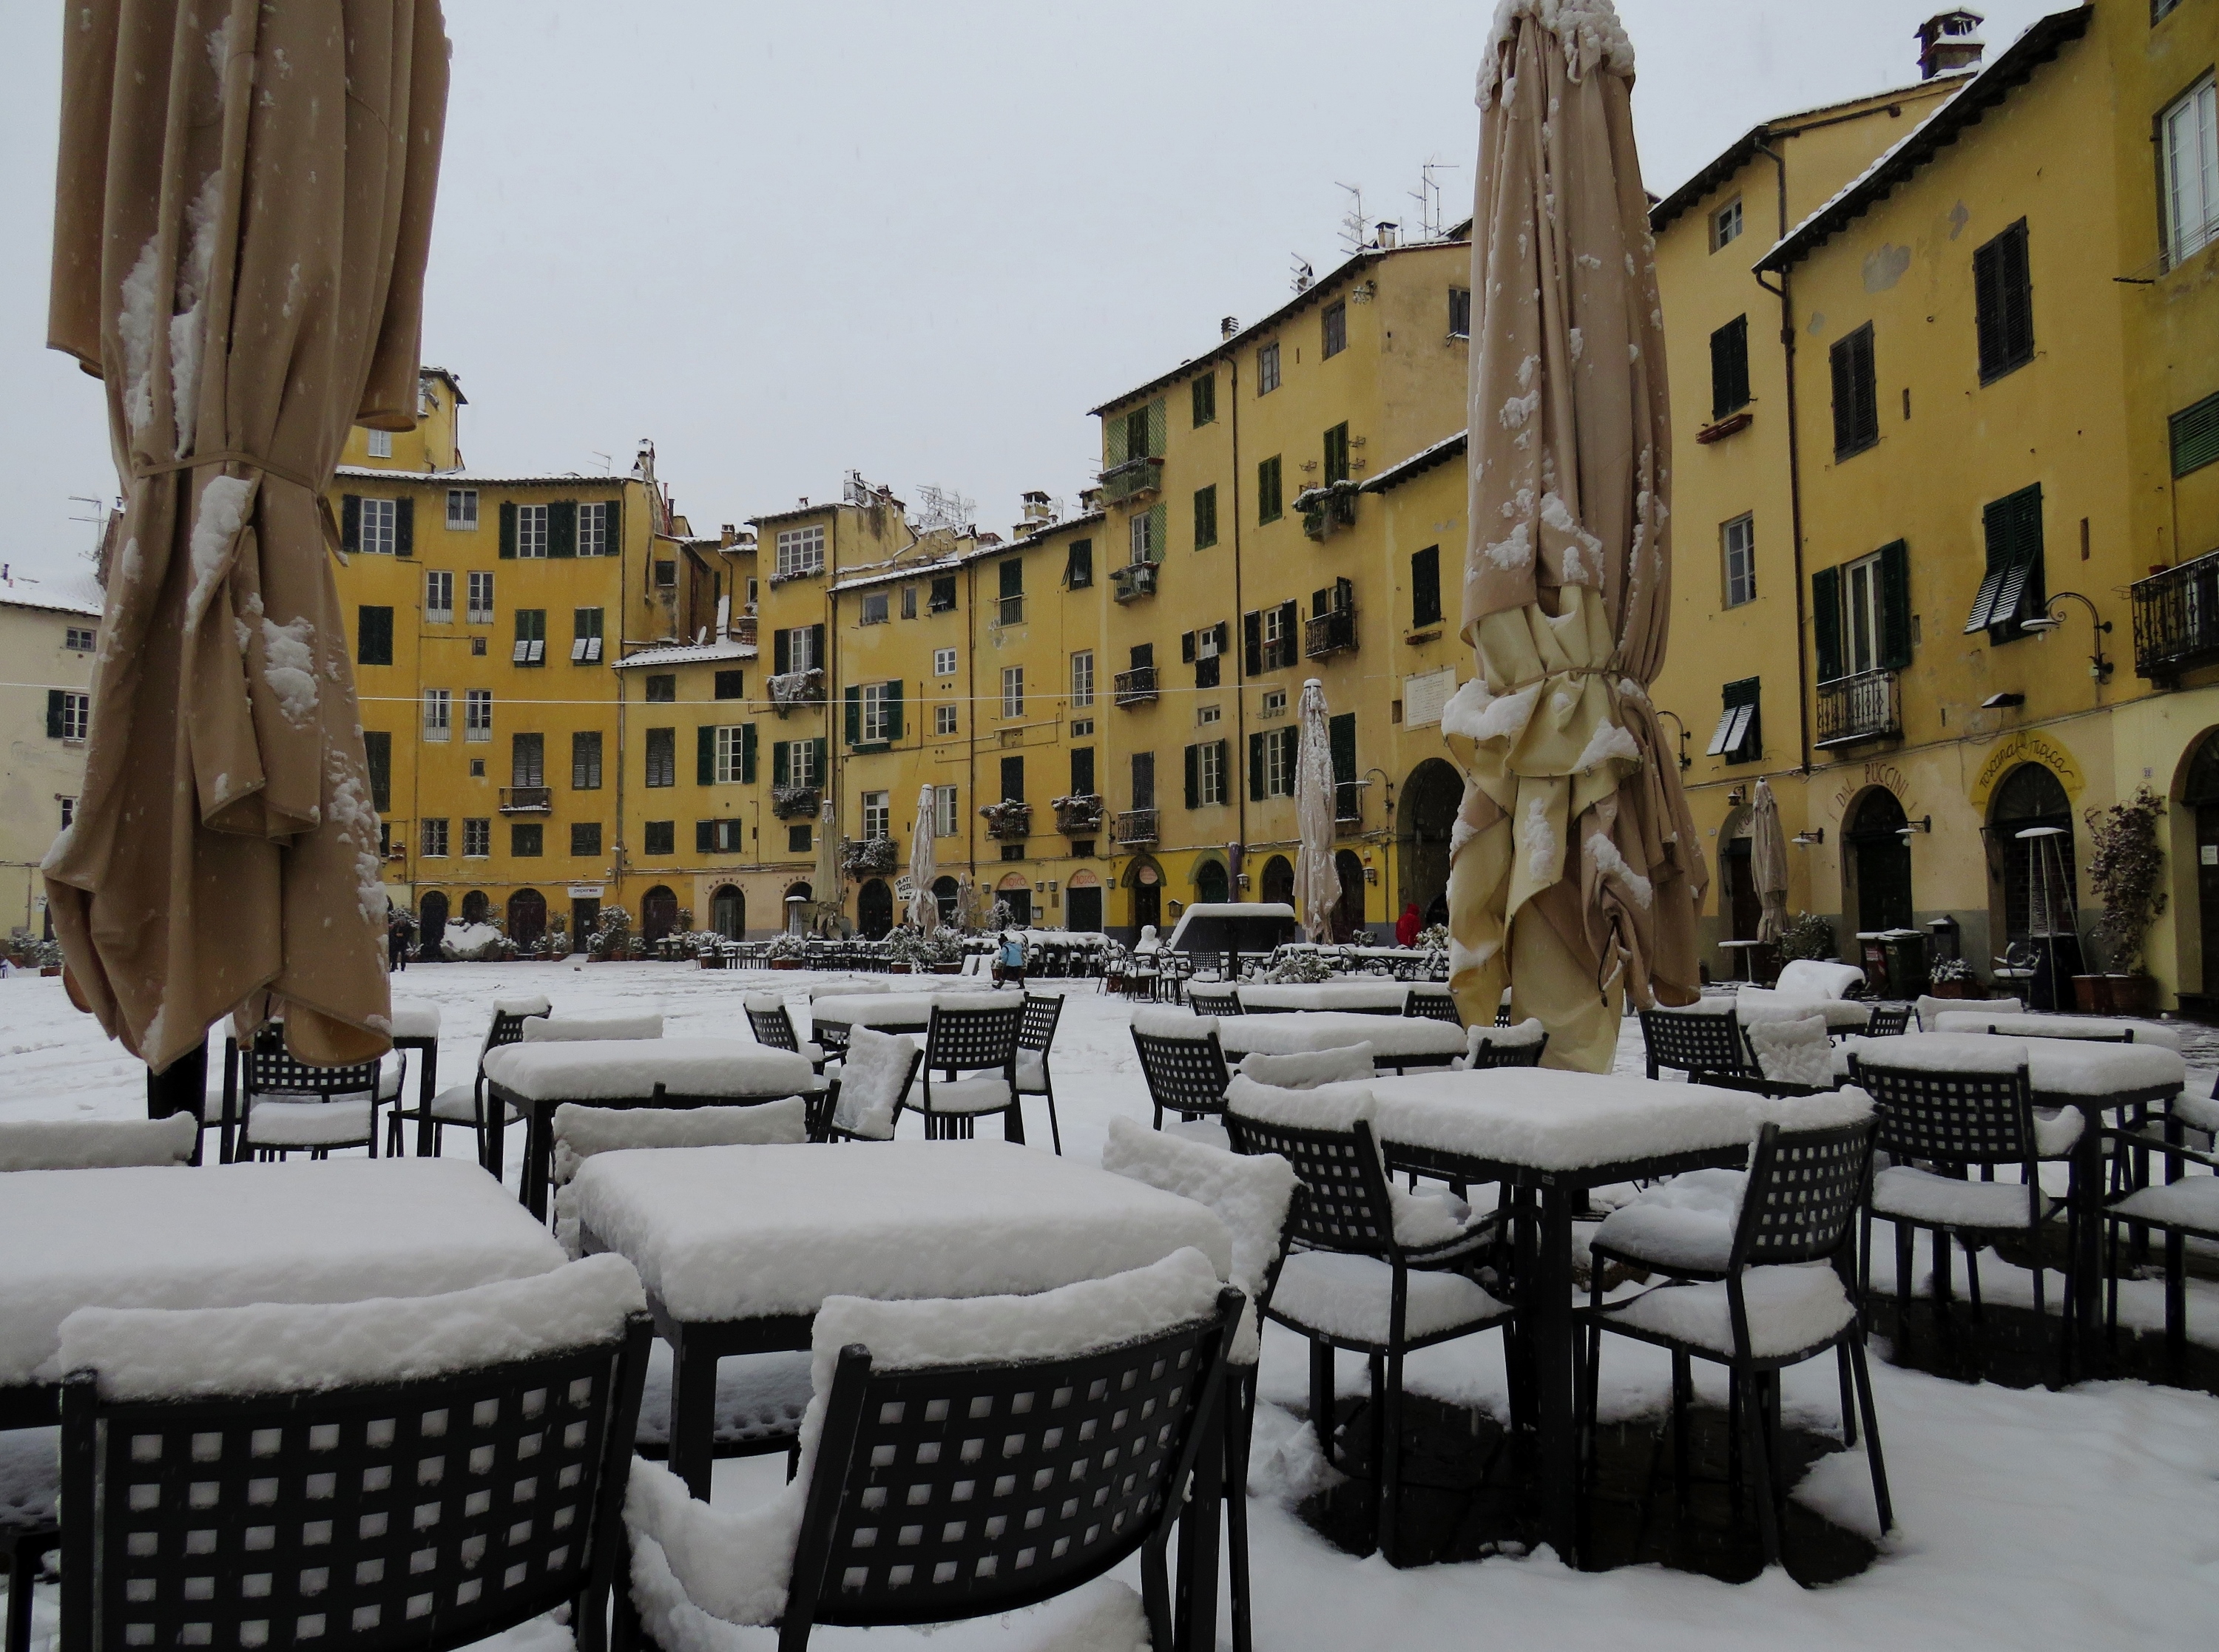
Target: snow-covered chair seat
{"points": [[1790, 1310], [873, 1082], [548, 1029], [281, 1126], [1684, 1226], [292, 1106], [97, 1144], [1308, 1069], [366, 1425], [973, 1033], [1013, 1381], [1485, 1047], [2197, 1112], [458, 1104]]}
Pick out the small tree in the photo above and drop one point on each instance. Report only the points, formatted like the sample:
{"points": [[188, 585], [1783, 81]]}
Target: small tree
{"points": [[2126, 873], [1808, 936]]}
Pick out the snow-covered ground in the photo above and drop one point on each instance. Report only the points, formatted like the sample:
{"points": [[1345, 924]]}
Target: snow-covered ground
{"points": [[2026, 1518]]}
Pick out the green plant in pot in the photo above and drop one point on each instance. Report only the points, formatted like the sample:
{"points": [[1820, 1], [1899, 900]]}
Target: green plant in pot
{"points": [[2126, 874]]}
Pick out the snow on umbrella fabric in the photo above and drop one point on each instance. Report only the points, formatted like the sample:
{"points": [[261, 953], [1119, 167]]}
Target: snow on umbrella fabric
{"points": [[829, 892], [1317, 881], [243, 211], [923, 907], [1768, 863], [1576, 874]]}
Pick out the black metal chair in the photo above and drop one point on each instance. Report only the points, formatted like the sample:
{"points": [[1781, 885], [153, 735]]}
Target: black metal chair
{"points": [[1185, 1075], [1350, 1282], [423, 1514], [30, 1524], [468, 1106], [1436, 1006], [293, 1122], [1706, 1048], [2182, 1208], [1035, 1034], [1804, 1191], [870, 1086], [1888, 1021], [774, 1030], [1486, 1053], [1214, 998], [980, 1041]]}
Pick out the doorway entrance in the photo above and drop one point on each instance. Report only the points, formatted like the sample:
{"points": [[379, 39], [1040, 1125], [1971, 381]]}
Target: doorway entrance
{"points": [[729, 910], [2029, 797], [430, 924], [1148, 891], [1209, 881], [2200, 793], [658, 912], [584, 913], [1348, 912], [1737, 899], [1424, 818], [527, 917], [1279, 880], [874, 910], [1082, 903], [1879, 862], [1016, 893]]}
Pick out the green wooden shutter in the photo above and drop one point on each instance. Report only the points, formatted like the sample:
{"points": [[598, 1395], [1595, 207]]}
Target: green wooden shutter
{"points": [[854, 698], [1256, 768], [1340, 736], [817, 768], [1011, 574], [614, 544], [778, 765], [1160, 520], [781, 643], [1159, 426], [704, 755], [1252, 643], [563, 528], [1290, 630], [2195, 436], [1894, 607], [1193, 777], [705, 837], [1426, 586], [508, 527], [893, 703], [817, 647], [747, 754], [1113, 439], [404, 526], [54, 704], [1826, 621], [349, 521]]}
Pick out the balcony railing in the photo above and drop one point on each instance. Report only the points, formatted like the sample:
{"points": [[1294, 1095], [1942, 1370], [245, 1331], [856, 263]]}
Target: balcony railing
{"points": [[1134, 687], [791, 688], [2177, 619], [1009, 611], [1862, 707], [1134, 580], [1329, 509], [794, 802], [1348, 805], [1133, 480], [1133, 830], [1079, 815], [869, 857], [526, 799], [1329, 633], [1009, 821]]}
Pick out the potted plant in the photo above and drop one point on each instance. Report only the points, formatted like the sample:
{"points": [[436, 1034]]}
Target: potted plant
{"points": [[2126, 874], [787, 950], [1951, 977]]}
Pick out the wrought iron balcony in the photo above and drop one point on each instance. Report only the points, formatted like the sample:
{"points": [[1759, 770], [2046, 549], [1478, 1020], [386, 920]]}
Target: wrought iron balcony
{"points": [[791, 688], [1134, 580], [1134, 687], [2177, 619], [1079, 815], [1327, 510], [1133, 830], [1348, 805], [1133, 480], [1009, 821], [526, 799], [794, 802], [1329, 633], [1864, 707]]}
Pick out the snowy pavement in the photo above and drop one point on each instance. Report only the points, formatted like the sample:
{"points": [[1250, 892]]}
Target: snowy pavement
{"points": [[2026, 1518]]}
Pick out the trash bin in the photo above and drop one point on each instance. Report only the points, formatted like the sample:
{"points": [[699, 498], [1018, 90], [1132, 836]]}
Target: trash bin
{"points": [[1895, 961]]}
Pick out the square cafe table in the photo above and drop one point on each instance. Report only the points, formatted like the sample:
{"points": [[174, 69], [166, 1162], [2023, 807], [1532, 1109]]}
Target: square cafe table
{"points": [[343, 1230], [1373, 996], [1556, 1135], [1396, 1041]]}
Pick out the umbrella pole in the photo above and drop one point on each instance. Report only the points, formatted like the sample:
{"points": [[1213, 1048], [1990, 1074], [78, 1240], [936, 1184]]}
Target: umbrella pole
{"points": [[181, 1087]]}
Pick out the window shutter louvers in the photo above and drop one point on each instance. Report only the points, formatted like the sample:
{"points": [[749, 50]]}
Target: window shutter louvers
{"points": [[705, 837], [1252, 643], [1895, 606], [816, 762], [704, 755], [350, 522], [508, 528], [778, 764], [747, 754], [1256, 767], [613, 543], [781, 644], [563, 528], [54, 703], [894, 710], [854, 701], [817, 646], [1826, 621], [1193, 777], [1340, 737], [404, 526], [1426, 586]]}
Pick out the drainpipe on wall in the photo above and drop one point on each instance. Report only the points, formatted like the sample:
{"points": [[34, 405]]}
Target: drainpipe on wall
{"points": [[1794, 475]]}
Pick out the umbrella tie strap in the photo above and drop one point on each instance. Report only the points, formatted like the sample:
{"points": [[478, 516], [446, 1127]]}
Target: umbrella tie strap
{"points": [[253, 462]]}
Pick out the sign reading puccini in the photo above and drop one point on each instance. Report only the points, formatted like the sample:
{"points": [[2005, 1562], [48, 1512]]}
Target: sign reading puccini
{"points": [[2028, 746], [1881, 774]]}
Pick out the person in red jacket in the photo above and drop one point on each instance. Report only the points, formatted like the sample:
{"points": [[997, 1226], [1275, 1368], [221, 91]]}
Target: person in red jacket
{"points": [[1406, 927]]}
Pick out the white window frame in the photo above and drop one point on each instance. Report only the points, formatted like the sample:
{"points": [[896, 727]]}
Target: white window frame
{"points": [[438, 715], [480, 600], [374, 533], [947, 819], [801, 763], [1737, 553], [77, 716], [1210, 773], [1726, 225], [2188, 142], [1279, 765], [1207, 715], [943, 720], [461, 510], [477, 839], [943, 662], [593, 530], [1274, 630], [532, 532], [477, 715], [731, 752], [878, 814], [438, 597], [1860, 615], [875, 608], [800, 551], [1082, 679], [433, 839], [1013, 691], [1274, 702], [1267, 368], [875, 723], [1140, 544], [380, 445], [79, 639], [800, 641]]}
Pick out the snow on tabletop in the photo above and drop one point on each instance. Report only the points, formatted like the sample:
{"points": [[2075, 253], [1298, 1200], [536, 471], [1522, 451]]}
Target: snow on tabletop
{"points": [[1756, 1004], [734, 1232], [1790, 1308], [1528, 1031], [1813, 977], [532, 1004], [874, 1009], [734, 1565], [1979, 1020], [154, 1353], [2055, 1067], [1930, 1008], [1351, 1296], [1325, 994], [1548, 1120], [626, 1069], [1310, 1068], [332, 1231], [1935, 1053], [591, 1028], [1921, 1195], [413, 1020], [1322, 1107], [582, 1131], [1389, 1036], [849, 986], [1686, 1222], [873, 1080], [95, 1144]]}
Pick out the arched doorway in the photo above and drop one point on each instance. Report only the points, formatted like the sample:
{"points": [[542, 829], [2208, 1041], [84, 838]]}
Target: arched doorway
{"points": [[1348, 912], [1082, 903], [797, 897], [1016, 892], [874, 910], [948, 893], [527, 917], [1145, 884], [728, 910], [2200, 793], [1424, 817], [475, 907], [658, 912], [1278, 879], [1740, 909], [2036, 880], [431, 924], [1210, 883], [1877, 865]]}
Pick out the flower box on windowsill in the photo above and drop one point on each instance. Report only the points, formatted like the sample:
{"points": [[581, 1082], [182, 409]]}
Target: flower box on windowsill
{"points": [[1725, 427]]}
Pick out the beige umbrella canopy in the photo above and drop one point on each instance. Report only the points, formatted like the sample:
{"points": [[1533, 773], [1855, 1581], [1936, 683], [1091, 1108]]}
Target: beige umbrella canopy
{"points": [[1576, 874], [242, 213], [1317, 880], [923, 905], [1768, 863]]}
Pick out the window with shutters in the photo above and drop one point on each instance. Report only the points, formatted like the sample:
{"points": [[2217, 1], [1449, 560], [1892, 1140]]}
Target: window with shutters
{"points": [[531, 530], [2194, 435], [1272, 763], [659, 837], [800, 648], [1738, 737], [732, 752], [373, 636], [480, 594], [661, 757], [2188, 172], [946, 818], [380, 445], [463, 510], [1726, 223], [438, 711], [1267, 368], [1270, 505], [584, 837], [586, 761], [1729, 368], [377, 757], [800, 551], [1082, 771], [1010, 578], [1143, 769], [1335, 328], [1013, 779], [1013, 691], [799, 839], [79, 639], [1857, 394], [730, 685], [527, 764], [594, 536], [2002, 300], [1459, 312], [1205, 517], [878, 814], [477, 839], [585, 636], [1336, 454], [941, 598], [1424, 587], [527, 842], [1205, 400], [477, 714], [943, 720], [1340, 747], [805, 762], [719, 836], [1140, 537], [1078, 567], [1205, 774], [663, 689], [879, 700], [374, 536], [1861, 616], [1737, 547], [531, 637], [874, 608], [1281, 636], [2015, 587], [438, 599], [1082, 679], [1205, 651], [432, 839]]}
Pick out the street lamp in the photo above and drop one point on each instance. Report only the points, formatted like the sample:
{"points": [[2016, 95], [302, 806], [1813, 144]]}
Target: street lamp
{"points": [[2099, 667]]}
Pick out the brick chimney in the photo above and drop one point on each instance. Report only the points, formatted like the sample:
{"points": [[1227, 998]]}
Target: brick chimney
{"points": [[1949, 42]]}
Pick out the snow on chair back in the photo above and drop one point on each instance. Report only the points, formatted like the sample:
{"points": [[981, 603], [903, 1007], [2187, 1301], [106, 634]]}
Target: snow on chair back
{"points": [[768, 1020], [1961, 1116], [1343, 1203]]}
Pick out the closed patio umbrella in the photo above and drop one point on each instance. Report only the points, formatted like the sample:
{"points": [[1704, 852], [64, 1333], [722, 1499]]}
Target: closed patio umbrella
{"points": [[830, 892], [1576, 874], [923, 905], [1768, 863], [1317, 881], [242, 214]]}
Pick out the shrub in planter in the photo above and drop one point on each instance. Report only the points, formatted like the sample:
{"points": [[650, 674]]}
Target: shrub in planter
{"points": [[1808, 936], [2126, 873]]}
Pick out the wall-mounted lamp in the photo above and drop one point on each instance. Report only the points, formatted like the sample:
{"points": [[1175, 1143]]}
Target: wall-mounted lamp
{"points": [[1685, 761], [1737, 796], [2099, 667], [1924, 823], [1806, 840]]}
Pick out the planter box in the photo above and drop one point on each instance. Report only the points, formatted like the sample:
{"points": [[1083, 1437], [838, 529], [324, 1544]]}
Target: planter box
{"points": [[1950, 989], [50, 969], [947, 969], [900, 969], [784, 963], [2116, 995], [710, 961]]}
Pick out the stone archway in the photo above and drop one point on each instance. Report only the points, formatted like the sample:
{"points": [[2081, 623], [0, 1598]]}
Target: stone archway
{"points": [[797, 897], [1277, 880], [1425, 816], [948, 893], [477, 907], [431, 924], [527, 916], [874, 910], [2028, 797], [1144, 887], [1016, 892], [1875, 866], [728, 910], [658, 912], [1348, 912], [1210, 883]]}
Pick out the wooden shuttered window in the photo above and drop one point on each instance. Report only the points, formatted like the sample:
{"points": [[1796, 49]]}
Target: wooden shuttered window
{"points": [[586, 761], [1426, 586], [1856, 394], [893, 704], [1831, 621], [350, 522], [1340, 740], [563, 527], [404, 526], [1205, 517], [1336, 454], [1082, 771], [1205, 400], [704, 754], [1729, 368], [57, 713], [373, 635], [1894, 607], [1193, 777], [1013, 779], [851, 703], [2014, 587], [2194, 435], [779, 769], [2003, 301], [1271, 505], [377, 754], [508, 528]]}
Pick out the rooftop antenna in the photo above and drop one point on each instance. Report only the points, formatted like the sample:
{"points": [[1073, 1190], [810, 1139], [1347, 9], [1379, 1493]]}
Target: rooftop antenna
{"points": [[99, 521], [608, 464], [1427, 195], [1353, 225], [941, 508], [1303, 275]]}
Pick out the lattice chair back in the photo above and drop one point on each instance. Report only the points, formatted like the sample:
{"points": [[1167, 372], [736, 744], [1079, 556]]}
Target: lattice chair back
{"points": [[271, 1068], [1489, 1054], [1951, 1118], [420, 1514], [1804, 1191], [1185, 1076], [954, 1492], [1435, 1006], [1343, 1202], [1693, 1042], [773, 1028], [1889, 1020], [508, 1027], [973, 1040], [1212, 999], [1037, 1030]]}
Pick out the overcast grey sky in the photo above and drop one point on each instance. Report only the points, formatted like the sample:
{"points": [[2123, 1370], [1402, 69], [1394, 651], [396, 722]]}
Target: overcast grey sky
{"points": [[917, 239]]}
